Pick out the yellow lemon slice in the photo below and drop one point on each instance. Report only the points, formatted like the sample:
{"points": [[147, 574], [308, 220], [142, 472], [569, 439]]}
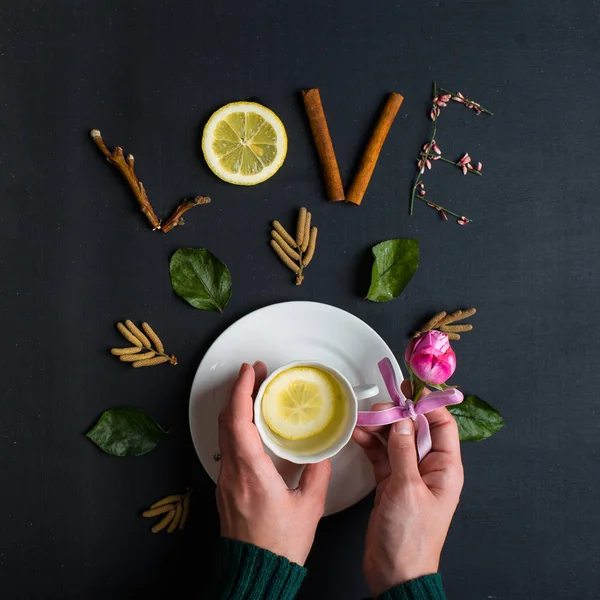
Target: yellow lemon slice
{"points": [[244, 143], [299, 402]]}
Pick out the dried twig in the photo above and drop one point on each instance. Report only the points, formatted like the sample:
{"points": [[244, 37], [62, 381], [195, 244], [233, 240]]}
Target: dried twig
{"points": [[176, 218], [442, 321], [297, 253], [177, 509], [125, 166], [147, 350]]}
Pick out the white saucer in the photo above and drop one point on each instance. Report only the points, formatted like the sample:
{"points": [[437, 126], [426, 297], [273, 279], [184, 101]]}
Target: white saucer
{"points": [[279, 334]]}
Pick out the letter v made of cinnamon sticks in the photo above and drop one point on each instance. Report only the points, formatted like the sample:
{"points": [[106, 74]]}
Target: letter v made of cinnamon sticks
{"points": [[326, 153]]}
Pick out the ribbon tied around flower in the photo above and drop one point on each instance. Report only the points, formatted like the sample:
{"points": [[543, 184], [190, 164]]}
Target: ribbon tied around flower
{"points": [[407, 409]]}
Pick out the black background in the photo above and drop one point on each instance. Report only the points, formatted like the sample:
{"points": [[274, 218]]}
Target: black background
{"points": [[77, 256]]}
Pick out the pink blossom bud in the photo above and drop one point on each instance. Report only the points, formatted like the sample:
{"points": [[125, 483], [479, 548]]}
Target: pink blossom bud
{"points": [[428, 163], [432, 115], [436, 148], [431, 357]]}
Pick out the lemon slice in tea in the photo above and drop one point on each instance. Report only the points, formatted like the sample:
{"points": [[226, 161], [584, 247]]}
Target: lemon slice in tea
{"points": [[300, 402], [244, 143]]}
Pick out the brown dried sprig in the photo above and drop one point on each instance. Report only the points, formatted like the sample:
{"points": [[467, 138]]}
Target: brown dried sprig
{"points": [[176, 510], [295, 254], [125, 166], [442, 322], [147, 350]]}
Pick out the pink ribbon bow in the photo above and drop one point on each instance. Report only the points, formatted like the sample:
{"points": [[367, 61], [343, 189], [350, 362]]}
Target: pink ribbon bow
{"points": [[407, 409]]}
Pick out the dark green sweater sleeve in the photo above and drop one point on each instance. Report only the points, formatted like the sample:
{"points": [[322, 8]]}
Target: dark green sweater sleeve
{"points": [[246, 572], [428, 587]]}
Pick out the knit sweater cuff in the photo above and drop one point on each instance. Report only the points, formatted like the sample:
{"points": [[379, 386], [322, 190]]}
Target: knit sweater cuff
{"points": [[251, 573], [428, 587]]}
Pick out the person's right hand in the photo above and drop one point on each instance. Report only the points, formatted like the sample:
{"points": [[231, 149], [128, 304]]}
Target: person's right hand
{"points": [[414, 502], [255, 505]]}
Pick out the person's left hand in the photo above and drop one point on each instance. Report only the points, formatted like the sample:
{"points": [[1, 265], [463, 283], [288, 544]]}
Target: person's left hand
{"points": [[255, 505]]}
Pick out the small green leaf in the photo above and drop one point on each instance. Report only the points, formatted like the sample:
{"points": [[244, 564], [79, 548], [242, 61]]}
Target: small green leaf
{"points": [[395, 263], [442, 386], [126, 432], [476, 419], [200, 278]]}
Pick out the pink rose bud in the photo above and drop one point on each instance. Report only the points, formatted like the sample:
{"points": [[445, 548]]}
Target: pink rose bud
{"points": [[431, 358]]}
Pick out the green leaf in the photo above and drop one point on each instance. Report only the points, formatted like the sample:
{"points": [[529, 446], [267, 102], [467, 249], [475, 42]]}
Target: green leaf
{"points": [[442, 386], [476, 419], [395, 263], [200, 278], [126, 432]]}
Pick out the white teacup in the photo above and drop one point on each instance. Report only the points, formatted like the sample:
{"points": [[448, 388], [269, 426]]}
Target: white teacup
{"points": [[333, 438]]}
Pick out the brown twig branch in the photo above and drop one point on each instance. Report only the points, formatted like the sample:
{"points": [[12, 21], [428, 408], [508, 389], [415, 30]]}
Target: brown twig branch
{"points": [[125, 165], [126, 168], [177, 217]]}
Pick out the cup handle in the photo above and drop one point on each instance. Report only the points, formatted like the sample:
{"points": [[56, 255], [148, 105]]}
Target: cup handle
{"points": [[363, 392]]}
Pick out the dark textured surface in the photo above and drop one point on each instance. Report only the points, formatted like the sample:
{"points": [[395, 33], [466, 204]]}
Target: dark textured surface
{"points": [[77, 255]]}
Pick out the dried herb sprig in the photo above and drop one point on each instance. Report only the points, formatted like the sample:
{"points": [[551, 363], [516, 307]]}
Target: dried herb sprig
{"points": [[431, 152], [458, 97], [147, 350], [297, 253], [125, 164], [444, 212], [442, 322], [176, 510]]}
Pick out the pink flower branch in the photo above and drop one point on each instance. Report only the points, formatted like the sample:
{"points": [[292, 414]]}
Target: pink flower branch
{"points": [[431, 151]]}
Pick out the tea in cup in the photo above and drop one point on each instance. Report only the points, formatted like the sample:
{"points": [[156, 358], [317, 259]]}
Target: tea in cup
{"points": [[305, 411]]}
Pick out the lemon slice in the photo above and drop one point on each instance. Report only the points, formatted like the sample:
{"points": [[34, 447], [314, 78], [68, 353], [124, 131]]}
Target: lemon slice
{"points": [[244, 143], [299, 403]]}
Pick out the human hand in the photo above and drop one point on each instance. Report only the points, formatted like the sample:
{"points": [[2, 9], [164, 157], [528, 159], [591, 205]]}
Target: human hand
{"points": [[414, 502], [255, 505]]}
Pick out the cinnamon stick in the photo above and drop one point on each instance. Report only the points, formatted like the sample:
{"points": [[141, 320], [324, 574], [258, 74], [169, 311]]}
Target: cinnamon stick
{"points": [[371, 153], [323, 143]]}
